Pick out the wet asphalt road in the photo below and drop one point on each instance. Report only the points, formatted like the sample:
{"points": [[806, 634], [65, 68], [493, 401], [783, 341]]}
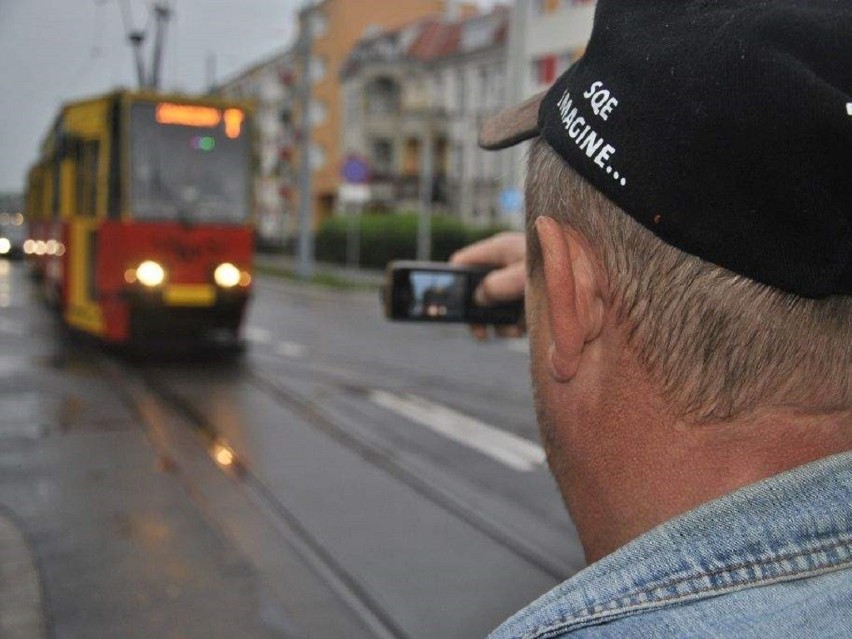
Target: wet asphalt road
{"points": [[386, 479]]}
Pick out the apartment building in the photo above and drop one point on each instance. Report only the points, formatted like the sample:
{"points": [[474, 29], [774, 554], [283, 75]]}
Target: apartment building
{"points": [[545, 37], [438, 67], [423, 91], [271, 83], [336, 26]]}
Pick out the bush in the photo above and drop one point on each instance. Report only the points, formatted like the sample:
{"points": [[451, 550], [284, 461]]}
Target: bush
{"points": [[386, 237]]}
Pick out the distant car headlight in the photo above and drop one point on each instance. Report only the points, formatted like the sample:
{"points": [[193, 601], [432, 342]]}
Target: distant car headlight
{"points": [[227, 275], [5, 246], [151, 274]]}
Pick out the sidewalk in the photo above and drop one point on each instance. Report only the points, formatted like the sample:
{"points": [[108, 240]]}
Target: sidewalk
{"points": [[21, 606]]}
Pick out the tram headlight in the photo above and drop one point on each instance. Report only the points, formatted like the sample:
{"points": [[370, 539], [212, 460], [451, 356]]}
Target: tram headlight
{"points": [[5, 246], [227, 275], [150, 274]]}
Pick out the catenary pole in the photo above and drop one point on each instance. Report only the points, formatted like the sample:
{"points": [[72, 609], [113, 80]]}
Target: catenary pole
{"points": [[305, 264], [424, 221]]}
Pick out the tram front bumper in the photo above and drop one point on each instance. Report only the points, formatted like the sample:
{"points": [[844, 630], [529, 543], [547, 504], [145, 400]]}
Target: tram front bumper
{"points": [[185, 312]]}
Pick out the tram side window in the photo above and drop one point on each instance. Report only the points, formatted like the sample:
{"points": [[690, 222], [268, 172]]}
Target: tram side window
{"points": [[87, 178]]}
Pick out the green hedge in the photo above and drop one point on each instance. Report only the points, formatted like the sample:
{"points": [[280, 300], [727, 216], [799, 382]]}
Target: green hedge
{"points": [[386, 237]]}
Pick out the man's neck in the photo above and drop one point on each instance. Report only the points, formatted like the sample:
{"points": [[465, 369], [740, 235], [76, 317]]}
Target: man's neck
{"points": [[627, 465]]}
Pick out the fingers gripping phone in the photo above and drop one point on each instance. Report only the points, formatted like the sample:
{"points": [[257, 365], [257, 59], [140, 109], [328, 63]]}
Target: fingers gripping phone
{"points": [[441, 292]]}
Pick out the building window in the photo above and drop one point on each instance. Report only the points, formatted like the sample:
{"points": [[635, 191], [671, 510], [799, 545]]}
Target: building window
{"points": [[477, 34], [318, 112], [319, 25], [457, 166], [383, 97], [550, 6], [317, 157], [482, 79], [383, 160], [460, 91], [318, 68], [411, 159], [352, 107], [545, 69], [447, 84]]}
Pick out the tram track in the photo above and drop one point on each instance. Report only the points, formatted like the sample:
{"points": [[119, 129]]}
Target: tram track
{"points": [[384, 458], [352, 590], [372, 452], [349, 589]]}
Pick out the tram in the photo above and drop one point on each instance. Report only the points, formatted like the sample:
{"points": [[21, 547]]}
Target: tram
{"points": [[139, 216]]}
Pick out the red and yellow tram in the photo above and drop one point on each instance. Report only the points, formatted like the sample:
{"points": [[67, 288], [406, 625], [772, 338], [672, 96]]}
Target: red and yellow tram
{"points": [[139, 216]]}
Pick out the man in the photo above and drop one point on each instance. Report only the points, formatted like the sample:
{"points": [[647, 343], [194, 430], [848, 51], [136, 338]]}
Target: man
{"points": [[689, 304]]}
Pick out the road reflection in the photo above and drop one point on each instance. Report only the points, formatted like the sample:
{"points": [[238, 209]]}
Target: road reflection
{"points": [[5, 284]]}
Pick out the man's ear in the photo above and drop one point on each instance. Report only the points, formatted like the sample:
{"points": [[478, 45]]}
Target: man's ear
{"points": [[573, 296]]}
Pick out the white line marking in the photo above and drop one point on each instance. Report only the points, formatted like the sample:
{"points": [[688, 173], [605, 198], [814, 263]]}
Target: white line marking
{"points": [[290, 349], [12, 327], [518, 345], [259, 335], [513, 451]]}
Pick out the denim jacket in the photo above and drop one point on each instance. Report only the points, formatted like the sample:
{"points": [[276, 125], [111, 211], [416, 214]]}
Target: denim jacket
{"points": [[773, 559]]}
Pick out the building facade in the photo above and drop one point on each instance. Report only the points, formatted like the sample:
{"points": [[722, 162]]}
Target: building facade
{"points": [[272, 85], [335, 28], [545, 38], [394, 81], [420, 94]]}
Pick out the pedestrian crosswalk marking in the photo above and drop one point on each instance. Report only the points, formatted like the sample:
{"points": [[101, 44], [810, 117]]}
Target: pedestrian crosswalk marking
{"points": [[516, 452]]}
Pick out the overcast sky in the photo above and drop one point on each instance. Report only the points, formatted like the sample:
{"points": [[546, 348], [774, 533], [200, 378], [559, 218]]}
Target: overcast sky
{"points": [[55, 50]]}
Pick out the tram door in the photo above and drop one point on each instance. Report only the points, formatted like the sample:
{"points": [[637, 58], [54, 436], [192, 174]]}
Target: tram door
{"points": [[85, 175]]}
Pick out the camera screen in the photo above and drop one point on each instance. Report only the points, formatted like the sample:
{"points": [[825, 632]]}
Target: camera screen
{"points": [[437, 296]]}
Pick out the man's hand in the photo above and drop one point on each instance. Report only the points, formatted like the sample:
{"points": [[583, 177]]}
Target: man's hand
{"points": [[507, 250]]}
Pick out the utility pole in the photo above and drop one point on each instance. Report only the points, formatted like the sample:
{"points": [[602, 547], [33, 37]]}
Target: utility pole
{"points": [[424, 221], [305, 265]]}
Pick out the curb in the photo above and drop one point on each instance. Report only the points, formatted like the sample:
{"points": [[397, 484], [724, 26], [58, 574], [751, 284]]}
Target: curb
{"points": [[21, 605], [352, 276]]}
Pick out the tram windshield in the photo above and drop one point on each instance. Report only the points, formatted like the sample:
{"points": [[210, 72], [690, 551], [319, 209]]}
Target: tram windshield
{"points": [[189, 163]]}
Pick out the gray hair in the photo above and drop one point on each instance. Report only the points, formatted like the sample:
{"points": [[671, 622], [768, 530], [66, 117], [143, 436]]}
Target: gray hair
{"points": [[718, 344]]}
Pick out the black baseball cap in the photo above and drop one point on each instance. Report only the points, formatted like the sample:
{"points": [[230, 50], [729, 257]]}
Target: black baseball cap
{"points": [[723, 126]]}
